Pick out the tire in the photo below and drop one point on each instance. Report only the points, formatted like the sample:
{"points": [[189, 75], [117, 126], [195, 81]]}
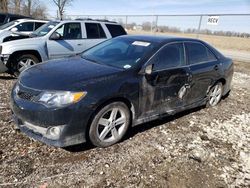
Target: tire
{"points": [[109, 125], [22, 62], [215, 94]]}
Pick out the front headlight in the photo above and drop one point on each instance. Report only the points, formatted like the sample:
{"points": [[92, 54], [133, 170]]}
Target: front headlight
{"points": [[60, 98]]}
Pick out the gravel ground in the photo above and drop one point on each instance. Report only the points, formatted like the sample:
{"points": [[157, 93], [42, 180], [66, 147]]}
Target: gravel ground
{"points": [[204, 147]]}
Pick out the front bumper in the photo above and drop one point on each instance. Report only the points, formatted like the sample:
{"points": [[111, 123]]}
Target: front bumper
{"points": [[63, 141], [35, 120]]}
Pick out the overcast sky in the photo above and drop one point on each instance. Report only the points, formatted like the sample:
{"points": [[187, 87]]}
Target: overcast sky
{"points": [[153, 6]]}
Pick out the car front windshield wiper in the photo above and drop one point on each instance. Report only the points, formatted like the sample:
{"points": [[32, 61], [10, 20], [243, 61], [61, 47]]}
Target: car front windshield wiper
{"points": [[89, 59]]}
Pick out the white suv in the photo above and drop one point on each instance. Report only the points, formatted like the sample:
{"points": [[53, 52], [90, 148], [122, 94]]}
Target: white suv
{"points": [[56, 39], [12, 30]]}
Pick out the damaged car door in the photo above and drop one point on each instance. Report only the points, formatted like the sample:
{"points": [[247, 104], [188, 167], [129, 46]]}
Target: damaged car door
{"points": [[164, 87]]}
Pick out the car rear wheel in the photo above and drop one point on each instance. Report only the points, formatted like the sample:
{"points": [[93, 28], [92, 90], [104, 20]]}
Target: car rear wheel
{"points": [[109, 125], [215, 94], [23, 62]]}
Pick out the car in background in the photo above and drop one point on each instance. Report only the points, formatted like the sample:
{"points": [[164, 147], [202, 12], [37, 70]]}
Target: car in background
{"points": [[117, 84], [56, 39], [19, 29], [6, 17]]}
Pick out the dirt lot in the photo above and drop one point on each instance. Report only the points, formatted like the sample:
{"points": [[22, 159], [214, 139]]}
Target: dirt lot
{"points": [[205, 147]]}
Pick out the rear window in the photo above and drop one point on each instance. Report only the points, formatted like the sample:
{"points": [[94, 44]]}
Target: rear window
{"points": [[198, 53], [116, 30], [2, 18], [38, 24], [12, 18]]}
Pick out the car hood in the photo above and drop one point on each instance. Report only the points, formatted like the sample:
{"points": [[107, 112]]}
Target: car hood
{"points": [[69, 74], [27, 41]]}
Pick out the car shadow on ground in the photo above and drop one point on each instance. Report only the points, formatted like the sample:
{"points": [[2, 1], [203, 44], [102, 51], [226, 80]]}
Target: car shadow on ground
{"points": [[137, 129], [9, 77]]}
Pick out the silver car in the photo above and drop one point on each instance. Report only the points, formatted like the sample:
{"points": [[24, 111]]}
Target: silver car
{"points": [[56, 39]]}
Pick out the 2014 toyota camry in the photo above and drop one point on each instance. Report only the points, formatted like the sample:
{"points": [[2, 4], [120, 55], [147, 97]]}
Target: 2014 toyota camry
{"points": [[117, 84]]}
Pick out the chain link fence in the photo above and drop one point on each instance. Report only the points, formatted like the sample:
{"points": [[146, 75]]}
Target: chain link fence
{"points": [[231, 34]]}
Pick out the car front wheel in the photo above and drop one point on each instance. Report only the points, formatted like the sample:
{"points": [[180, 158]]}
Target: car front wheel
{"points": [[215, 94], [23, 62], [109, 125]]}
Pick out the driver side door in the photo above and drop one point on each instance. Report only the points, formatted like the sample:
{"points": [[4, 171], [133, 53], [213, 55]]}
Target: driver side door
{"points": [[70, 43], [164, 90]]}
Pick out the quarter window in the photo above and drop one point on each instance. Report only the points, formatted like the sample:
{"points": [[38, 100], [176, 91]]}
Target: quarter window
{"points": [[94, 31], [169, 56], [198, 53], [70, 31], [116, 30]]}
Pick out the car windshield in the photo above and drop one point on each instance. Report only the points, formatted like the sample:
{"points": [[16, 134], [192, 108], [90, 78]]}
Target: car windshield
{"points": [[119, 52], [46, 28], [8, 24]]}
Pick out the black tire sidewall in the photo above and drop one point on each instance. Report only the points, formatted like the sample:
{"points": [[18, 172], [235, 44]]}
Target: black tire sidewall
{"points": [[93, 137], [23, 56]]}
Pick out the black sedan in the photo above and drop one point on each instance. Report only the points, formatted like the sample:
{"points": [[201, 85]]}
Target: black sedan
{"points": [[117, 84]]}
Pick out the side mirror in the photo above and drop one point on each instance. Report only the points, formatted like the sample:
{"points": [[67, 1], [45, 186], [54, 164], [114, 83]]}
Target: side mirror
{"points": [[55, 36], [14, 29]]}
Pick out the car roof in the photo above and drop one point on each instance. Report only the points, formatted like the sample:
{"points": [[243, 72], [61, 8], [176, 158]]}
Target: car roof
{"points": [[87, 20], [159, 38], [30, 20]]}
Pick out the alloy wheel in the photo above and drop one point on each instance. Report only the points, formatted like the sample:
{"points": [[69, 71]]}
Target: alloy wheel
{"points": [[111, 125], [215, 94]]}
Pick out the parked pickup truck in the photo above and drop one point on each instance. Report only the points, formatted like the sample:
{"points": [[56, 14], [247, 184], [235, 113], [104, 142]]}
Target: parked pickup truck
{"points": [[56, 39]]}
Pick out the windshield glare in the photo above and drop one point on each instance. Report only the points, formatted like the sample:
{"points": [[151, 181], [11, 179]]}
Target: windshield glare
{"points": [[9, 24], [46, 28], [119, 52]]}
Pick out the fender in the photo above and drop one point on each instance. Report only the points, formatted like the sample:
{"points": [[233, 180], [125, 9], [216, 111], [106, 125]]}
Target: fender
{"points": [[34, 44]]}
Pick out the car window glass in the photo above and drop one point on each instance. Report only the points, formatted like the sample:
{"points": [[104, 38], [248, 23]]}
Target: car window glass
{"points": [[2, 18], [120, 52], [70, 31], [38, 24], [115, 30], [169, 56], [94, 31], [198, 53], [12, 18], [27, 26]]}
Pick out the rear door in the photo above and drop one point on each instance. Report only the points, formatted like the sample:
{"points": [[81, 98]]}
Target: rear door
{"points": [[70, 43], [94, 34], [204, 67], [165, 89]]}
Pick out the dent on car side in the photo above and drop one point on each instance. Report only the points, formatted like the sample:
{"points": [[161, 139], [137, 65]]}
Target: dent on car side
{"points": [[164, 92]]}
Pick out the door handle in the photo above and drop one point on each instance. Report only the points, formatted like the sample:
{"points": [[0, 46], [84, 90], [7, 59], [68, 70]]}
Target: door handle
{"points": [[79, 44], [216, 67]]}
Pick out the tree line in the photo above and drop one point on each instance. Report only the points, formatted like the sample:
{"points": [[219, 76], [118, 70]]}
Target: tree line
{"points": [[33, 8]]}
